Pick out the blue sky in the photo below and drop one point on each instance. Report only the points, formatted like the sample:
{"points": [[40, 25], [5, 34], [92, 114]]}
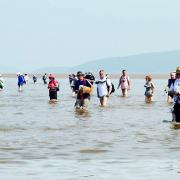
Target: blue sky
{"points": [[41, 33]]}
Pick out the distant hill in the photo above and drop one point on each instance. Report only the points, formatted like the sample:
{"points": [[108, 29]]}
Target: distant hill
{"points": [[158, 62]]}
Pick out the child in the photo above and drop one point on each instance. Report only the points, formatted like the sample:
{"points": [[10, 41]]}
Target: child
{"points": [[149, 89]]}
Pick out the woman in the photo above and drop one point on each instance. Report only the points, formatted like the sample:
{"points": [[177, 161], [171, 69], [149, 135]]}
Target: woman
{"points": [[149, 89], [53, 87], [124, 82]]}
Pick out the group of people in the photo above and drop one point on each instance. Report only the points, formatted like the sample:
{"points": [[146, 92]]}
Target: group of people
{"points": [[82, 86]]}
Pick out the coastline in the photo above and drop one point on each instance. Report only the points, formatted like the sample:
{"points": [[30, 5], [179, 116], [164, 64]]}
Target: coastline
{"points": [[113, 76]]}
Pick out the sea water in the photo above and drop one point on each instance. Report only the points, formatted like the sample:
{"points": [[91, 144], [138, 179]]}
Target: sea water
{"points": [[127, 140]]}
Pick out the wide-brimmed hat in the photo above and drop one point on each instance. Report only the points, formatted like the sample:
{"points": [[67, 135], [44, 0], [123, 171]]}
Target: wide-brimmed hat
{"points": [[0, 75], [51, 76], [79, 73], [178, 70]]}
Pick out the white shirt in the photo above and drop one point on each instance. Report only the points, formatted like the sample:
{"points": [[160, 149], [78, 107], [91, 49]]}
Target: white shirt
{"points": [[176, 88], [102, 86], [2, 79]]}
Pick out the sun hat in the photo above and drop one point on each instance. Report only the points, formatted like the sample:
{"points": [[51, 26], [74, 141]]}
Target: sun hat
{"points": [[178, 70], [51, 76], [79, 73]]}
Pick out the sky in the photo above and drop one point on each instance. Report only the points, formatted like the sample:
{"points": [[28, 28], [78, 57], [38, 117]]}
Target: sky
{"points": [[42, 33]]}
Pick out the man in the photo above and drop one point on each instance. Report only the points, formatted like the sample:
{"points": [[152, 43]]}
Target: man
{"points": [[175, 90], [44, 78], [124, 82], [104, 88], [1, 82], [170, 82], [21, 81], [83, 90]]}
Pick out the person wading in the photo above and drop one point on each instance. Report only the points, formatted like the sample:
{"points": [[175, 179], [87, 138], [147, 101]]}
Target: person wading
{"points": [[83, 89], [104, 88], [124, 83]]}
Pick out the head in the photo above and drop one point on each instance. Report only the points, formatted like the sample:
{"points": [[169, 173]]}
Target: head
{"points": [[124, 72], [0, 75], [80, 75], [18, 74], [148, 78], [102, 74], [51, 77], [173, 75], [178, 73]]}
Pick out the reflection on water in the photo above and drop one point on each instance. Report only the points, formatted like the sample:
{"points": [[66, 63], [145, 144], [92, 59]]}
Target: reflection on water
{"points": [[127, 140]]}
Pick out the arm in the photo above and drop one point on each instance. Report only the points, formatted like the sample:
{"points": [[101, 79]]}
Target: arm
{"points": [[119, 83], [153, 87], [129, 83], [110, 86]]}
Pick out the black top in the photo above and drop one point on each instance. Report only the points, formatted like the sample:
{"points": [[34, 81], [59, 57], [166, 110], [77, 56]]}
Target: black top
{"points": [[170, 82]]}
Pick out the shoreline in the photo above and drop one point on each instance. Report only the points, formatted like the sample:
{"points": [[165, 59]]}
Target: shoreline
{"points": [[113, 76]]}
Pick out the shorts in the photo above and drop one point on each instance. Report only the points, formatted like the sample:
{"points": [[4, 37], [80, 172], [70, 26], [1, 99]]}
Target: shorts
{"points": [[20, 84], [103, 97], [176, 111], [170, 94], [53, 95], [82, 103]]}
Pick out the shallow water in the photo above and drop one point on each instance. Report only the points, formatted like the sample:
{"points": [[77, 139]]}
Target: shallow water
{"points": [[127, 140]]}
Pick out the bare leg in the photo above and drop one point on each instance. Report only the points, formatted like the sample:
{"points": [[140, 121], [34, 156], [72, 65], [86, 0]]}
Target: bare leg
{"points": [[124, 92], [170, 99], [103, 101]]}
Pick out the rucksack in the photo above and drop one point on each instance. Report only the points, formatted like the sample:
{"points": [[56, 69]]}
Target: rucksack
{"points": [[113, 88]]}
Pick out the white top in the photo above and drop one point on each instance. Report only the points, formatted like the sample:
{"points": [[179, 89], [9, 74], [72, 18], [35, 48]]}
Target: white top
{"points": [[102, 86], [1, 80], [176, 88]]}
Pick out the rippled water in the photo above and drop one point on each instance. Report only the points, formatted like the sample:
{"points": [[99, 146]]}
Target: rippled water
{"points": [[127, 140]]}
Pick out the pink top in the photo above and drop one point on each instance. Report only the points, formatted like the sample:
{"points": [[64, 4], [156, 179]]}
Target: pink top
{"points": [[124, 82], [53, 84]]}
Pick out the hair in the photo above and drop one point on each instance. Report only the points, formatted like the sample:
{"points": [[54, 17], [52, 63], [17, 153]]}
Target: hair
{"points": [[149, 77], [101, 71]]}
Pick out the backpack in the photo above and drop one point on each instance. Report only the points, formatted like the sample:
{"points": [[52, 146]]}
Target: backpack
{"points": [[113, 88]]}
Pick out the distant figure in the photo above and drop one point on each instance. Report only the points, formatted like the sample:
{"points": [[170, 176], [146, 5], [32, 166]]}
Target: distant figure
{"points": [[34, 79], [171, 82], [72, 82], [26, 77], [83, 89], [124, 82], [104, 88], [149, 89], [45, 78], [1, 82], [175, 90], [53, 87], [21, 81], [89, 76]]}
